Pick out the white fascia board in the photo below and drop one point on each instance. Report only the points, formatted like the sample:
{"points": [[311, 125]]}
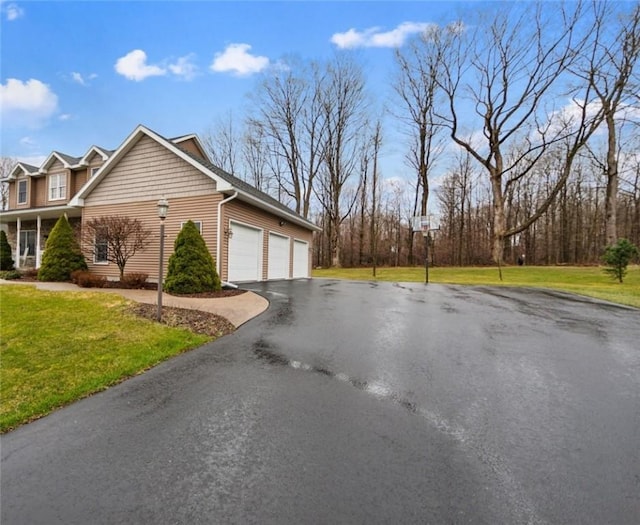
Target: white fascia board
{"points": [[221, 184], [53, 155], [84, 161], [125, 147]]}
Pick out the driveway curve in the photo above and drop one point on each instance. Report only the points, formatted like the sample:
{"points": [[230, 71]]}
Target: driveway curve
{"points": [[356, 402]]}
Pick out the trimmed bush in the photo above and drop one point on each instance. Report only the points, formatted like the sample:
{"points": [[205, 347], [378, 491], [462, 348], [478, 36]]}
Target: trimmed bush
{"points": [[134, 280], [89, 280], [10, 275], [6, 261], [191, 267], [62, 254]]}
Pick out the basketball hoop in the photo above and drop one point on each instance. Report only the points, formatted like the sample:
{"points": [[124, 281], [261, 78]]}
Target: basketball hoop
{"points": [[420, 223]]}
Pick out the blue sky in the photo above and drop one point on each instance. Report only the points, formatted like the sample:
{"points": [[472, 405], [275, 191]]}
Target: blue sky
{"points": [[75, 74]]}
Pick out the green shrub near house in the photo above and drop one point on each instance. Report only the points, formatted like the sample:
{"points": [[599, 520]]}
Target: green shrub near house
{"points": [[191, 267], [62, 254], [6, 261]]}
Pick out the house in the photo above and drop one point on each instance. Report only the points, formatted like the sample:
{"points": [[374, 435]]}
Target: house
{"points": [[251, 236]]}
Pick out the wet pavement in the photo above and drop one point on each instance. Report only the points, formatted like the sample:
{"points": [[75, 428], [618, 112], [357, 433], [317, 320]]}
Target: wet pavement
{"points": [[354, 402]]}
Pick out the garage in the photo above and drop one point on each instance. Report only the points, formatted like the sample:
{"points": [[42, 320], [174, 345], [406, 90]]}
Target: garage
{"points": [[245, 253], [300, 259], [279, 250]]}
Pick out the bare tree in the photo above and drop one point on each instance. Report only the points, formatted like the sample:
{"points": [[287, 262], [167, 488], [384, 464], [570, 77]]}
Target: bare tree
{"points": [[502, 79], [344, 104], [375, 190], [222, 142], [608, 67], [255, 156], [417, 88], [6, 166], [115, 239], [289, 113]]}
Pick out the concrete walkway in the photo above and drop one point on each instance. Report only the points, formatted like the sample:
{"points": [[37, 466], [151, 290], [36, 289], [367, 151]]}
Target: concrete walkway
{"points": [[238, 309]]}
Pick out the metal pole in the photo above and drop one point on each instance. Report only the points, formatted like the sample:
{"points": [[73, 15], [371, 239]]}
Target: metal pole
{"points": [[426, 258], [160, 270]]}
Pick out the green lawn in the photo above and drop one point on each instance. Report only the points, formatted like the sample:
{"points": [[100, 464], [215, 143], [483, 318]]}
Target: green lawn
{"points": [[590, 281], [58, 347]]}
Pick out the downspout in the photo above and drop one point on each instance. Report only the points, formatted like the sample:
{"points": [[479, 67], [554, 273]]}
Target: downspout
{"points": [[219, 243]]}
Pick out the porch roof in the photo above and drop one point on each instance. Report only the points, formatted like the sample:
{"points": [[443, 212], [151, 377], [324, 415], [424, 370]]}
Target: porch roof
{"points": [[48, 212]]}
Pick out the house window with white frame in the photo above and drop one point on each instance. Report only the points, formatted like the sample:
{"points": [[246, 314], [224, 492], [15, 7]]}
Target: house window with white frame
{"points": [[101, 251], [22, 192], [197, 223], [94, 171], [57, 186]]}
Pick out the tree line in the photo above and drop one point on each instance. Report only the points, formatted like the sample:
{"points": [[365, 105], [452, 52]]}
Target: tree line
{"points": [[524, 118]]}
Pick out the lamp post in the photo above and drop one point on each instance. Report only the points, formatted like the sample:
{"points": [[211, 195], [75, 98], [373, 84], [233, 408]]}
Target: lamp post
{"points": [[163, 209]]}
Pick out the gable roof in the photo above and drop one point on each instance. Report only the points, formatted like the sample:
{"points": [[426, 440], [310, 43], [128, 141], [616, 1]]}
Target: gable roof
{"points": [[195, 139], [26, 169], [67, 161], [225, 182], [105, 154]]}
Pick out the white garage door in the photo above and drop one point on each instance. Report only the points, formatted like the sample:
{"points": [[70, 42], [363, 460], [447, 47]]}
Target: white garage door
{"points": [[245, 253], [278, 257], [300, 259]]}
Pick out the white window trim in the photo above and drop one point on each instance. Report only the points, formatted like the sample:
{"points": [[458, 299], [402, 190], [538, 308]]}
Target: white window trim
{"points": [[93, 171], [26, 192], [199, 225], [58, 177]]}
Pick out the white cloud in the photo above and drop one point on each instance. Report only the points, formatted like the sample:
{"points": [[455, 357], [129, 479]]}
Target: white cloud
{"points": [[133, 66], [237, 60], [13, 12], [78, 78], [64, 116], [184, 67], [374, 37], [28, 141], [28, 103]]}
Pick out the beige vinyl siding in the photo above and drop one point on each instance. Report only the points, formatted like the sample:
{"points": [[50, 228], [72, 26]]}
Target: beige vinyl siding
{"points": [[13, 194], [242, 212], [39, 194], [78, 178], [201, 208], [191, 146], [152, 171]]}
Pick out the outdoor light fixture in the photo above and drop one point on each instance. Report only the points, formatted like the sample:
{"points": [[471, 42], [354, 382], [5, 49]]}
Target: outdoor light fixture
{"points": [[163, 209]]}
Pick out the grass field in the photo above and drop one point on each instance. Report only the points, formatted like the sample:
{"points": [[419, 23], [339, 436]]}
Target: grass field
{"points": [[58, 347], [590, 281]]}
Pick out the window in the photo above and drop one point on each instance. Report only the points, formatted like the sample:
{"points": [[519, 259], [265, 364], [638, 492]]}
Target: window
{"points": [[101, 251], [27, 242], [197, 223], [22, 192], [93, 171], [57, 186]]}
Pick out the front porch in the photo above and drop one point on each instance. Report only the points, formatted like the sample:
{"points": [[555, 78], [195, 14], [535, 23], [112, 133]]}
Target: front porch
{"points": [[27, 232]]}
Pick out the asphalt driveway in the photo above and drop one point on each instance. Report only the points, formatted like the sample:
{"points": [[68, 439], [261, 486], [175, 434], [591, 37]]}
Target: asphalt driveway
{"points": [[359, 402]]}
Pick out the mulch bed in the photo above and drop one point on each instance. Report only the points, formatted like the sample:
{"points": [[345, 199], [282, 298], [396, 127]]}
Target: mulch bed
{"points": [[193, 320]]}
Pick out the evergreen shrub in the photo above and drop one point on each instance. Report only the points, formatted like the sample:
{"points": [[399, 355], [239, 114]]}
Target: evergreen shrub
{"points": [[191, 266]]}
